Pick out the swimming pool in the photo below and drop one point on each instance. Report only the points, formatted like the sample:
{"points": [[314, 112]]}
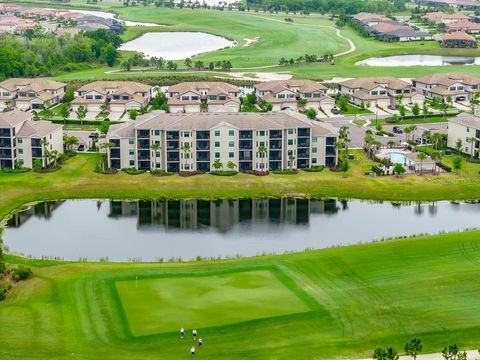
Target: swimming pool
{"points": [[398, 158]]}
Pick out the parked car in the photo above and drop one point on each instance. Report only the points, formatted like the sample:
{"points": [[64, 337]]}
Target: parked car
{"points": [[392, 107], [421, 141], [335, 111], [397, 130], [81, 147]]}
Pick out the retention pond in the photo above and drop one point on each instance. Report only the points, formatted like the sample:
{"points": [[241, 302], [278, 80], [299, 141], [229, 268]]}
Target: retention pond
{"points": [[150, 230]]}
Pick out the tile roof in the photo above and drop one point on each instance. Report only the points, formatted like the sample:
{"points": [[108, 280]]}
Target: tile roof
{"points": [[12, 118], [447, 79], [458, 36], [129, 87], [213, 87], [369, 83], [36, 84], [276, 86], [38, 128]]}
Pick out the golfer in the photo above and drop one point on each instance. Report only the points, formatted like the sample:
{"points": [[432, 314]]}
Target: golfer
{"points": [[194, 333], [192, 351], [182, 332], [200, 342]]}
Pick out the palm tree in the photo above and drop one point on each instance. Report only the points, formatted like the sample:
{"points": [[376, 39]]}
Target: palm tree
{"points": [[262, 150], [81, 113], [70, 141], [217, 164], [231, 165], [421, 156], [425, 110], [471, 141], [107, 146], [65, 112], [291, 160], [155, 147], [407, 132], [436, 156], [413, 128], [427, 135], [344, 136], [399, 99], [44, 143], [368, 143]]}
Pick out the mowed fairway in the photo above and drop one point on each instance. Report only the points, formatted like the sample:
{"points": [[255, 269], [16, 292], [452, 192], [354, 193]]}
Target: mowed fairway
{"points": [[205, 301], [340, 302]]}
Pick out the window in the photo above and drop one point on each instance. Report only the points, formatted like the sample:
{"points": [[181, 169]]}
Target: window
{"points": [[317, 95], [308, 95], [185, 98], [217, 143], [374, 92], [131, 152], [231, 154], [157, 132], [89, 97], [231, 143], [132, 162], [99, 97], [20, 151], [314, 150], [231, 132], [222, 97], [291, 131], [281, 96], [213, 97], [262, 133], [131, 141], [217, 132], [290, 141], [314, 160], [314, 139], [116, 97], [217, 155], [186, 134], [194, 97], [290, 96], [20, 140]]}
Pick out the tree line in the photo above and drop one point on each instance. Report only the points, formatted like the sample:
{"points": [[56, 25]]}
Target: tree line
{"points": [[45, 55]]}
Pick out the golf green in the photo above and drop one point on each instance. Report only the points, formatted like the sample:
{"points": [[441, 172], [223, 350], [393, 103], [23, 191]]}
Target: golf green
{"points": [[205, 301]]}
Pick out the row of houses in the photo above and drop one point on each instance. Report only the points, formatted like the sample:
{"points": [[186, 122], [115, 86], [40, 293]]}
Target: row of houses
{"points": [[386, 91], [120, 96], [15, 18], [386, 29], [465, 4]]}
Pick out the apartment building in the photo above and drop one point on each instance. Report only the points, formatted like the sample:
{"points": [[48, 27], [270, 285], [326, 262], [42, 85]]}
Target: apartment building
{"points": [[25, 94], [208, 96], [252, 141], [460, 86], [466, 128], [22, 140], [118, 96], [285, 94], [380, 91]]}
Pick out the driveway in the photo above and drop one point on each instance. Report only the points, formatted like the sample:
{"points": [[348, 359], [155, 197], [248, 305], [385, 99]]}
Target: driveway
{"points": [[82, 136]]}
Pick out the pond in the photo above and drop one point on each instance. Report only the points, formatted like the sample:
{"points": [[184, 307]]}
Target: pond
{"points": [[176, 45], [419, 60], [150, 230]]}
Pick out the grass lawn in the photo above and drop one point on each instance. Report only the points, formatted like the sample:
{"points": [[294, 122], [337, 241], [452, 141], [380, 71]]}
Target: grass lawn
{"points": [[77, 180], [339, 302], [205, 301], [420, 120], [352, 110]]}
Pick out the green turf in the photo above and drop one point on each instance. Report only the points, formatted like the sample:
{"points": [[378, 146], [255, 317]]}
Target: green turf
{"points": [[360, 297], [206, 301]]}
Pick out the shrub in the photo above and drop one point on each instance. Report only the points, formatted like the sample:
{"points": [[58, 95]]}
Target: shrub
{"points": [[37, 165], [457, 162], [377, 170], [190, 173], [285, 172], [316, 168], [345, 166], [160, 172], [444, 167], [21, 273], [257, 172], [133, 171], [15, 171], [223, 172]]}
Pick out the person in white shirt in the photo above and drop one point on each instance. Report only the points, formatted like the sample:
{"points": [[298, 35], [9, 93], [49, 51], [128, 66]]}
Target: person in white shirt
{"points": [[182, 332], [192, 351], [194, 333], [200, 342]]}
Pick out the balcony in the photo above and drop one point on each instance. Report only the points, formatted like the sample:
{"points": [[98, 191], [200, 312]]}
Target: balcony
{"points": [[203, 145], [275, 144], [37, 152], [203, 156], [115, 142], [275, 134], [303, 142], [275, 155], [115, 153], [145, 134], [302, 132], [245, 145], [173, 145], [245, 134], [303, 153], [144, 155], [330, 150], [203, 135], [4, 132], [173, 156], [144, 144], [6, 153], [245, 155], [36, 143], [173, 135], [5, 143], [331, 140]]}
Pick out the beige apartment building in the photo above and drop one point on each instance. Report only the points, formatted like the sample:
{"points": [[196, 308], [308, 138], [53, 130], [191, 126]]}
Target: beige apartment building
{"points": [[25, 94], [466, 128], [207, 96], [252, 141], [22, 140], [285, 94]]}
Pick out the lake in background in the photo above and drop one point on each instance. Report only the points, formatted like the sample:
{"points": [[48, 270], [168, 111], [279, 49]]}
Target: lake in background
{"points": [[419, 60], [176, 45], [149, 230]]}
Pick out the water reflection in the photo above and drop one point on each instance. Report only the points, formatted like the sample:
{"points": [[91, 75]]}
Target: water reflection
{"points": [[148, 230]]}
